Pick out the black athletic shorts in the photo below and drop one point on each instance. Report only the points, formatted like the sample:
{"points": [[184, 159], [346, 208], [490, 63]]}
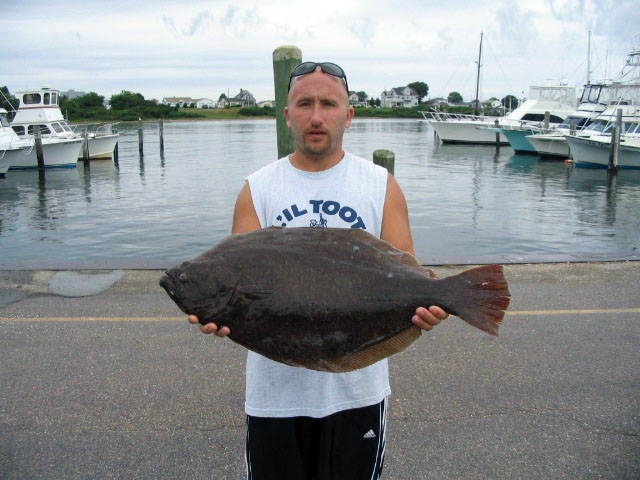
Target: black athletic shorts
{"points": [[347, 445]]}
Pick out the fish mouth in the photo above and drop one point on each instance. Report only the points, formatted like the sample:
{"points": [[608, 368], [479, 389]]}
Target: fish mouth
{"points": [[173, 288]]}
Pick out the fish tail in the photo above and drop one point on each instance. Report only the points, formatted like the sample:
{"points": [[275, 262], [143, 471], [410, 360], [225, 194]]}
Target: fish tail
{"points": [[482, 296]]}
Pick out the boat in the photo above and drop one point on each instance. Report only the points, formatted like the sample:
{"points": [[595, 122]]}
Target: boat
{"points": [[592, 146], [595, 99], [40, 107], [102, 139], [558, 101], [595, 151], [20, 153], [10, 145]]}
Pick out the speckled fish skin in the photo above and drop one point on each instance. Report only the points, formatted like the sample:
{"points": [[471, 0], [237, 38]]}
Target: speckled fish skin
{"points": [[325, 299]]}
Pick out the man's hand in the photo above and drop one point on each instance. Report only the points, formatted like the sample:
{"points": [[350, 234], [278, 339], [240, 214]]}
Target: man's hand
{"points": [[209, 327], [427, 318]]}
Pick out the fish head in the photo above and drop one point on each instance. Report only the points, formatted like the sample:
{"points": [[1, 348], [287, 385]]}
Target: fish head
{"points": [[196, 289]]}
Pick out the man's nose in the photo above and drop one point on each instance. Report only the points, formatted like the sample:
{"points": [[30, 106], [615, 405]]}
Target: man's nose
{"points": [[316, 115]]}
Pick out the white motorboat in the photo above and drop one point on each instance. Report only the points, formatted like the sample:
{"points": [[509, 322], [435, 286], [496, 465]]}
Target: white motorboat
{"points": [[559, 101], [10, 145], [592, 146], [20, 153], [40, 107], [102, 139]]}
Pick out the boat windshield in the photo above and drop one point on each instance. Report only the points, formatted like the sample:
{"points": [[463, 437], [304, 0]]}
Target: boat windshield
{"points": [[631, 127], [600, 125], [57, 127], [591, 94], [3, 120], [577, 121]]}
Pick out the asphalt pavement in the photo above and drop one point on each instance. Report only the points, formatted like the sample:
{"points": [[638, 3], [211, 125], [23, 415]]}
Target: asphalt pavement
{"points": [[101, 377]]}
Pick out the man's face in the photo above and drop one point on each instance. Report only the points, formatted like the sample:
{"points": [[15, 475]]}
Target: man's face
{"points": [[318, 113]]}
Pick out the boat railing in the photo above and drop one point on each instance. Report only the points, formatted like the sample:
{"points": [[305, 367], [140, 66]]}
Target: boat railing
{"points": [[452, 117], [95, 129]]}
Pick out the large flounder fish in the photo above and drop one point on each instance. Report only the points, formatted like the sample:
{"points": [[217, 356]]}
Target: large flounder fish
{"points": [[324, 298]]}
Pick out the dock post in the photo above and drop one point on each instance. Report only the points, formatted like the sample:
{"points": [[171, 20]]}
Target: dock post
{"points": [[140, 137], [547, 118], [37, 138], [614, 152], [161, 126], [115, 155], [386, 159], [85, 147], [497, 124], [285, 59]]}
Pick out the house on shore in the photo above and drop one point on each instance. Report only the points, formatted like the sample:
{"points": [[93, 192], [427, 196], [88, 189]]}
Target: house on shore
{"points": [[404, 97], [178, 101], [205, 103], [243, 99], [356, 100]]}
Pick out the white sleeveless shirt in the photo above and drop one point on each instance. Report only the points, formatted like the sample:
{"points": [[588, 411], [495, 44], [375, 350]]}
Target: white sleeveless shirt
{"points": [[349, 195]]}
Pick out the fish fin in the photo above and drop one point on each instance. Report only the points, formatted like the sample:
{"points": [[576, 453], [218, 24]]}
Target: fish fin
{"points": [[252, 292], [372, 354], [484, 297]]}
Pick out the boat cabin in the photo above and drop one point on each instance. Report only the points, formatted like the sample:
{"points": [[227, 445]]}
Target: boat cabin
{"points": [[40, 108]]}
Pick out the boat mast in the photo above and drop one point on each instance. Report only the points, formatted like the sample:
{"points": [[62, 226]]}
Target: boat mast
{"points": [[475, 107], [589, 59]]}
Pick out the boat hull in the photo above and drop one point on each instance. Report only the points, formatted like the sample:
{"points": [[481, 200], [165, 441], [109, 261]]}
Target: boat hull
{"points": [[101, 146], [57, 153], [587, 152], [467, 132], [519, 142], [554, 146]]}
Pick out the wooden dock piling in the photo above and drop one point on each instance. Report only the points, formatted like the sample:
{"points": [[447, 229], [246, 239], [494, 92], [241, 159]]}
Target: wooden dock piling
{"points": [[161, 128], [614, 152], [85, 147], [386, 159], [497, 124], [37, 138], [140, 137], [285, 59]]}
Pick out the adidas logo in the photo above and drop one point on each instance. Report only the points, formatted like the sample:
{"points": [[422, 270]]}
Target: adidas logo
{"points": [[369, 434]]}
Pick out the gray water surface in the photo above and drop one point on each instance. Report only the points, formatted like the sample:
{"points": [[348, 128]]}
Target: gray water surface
{"points": [[468, 204]]}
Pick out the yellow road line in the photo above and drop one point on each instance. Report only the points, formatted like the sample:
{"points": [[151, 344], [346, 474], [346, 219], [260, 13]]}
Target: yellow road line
{"points": [[92, 319], [184, 318], [574, 312]]}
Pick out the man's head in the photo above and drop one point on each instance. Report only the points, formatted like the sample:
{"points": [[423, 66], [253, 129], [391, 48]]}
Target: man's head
{"points": [[318, 109]]}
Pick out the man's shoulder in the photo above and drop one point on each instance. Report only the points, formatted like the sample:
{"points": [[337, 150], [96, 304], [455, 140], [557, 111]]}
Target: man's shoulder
{"points": [[269, 168], [364, 164]]}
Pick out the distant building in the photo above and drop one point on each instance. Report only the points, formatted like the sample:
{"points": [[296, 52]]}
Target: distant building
{"points": [[243, 99], [71, 94], [178, 101], [437, 102], [205, 103], [399, 97], [355, 101], [223, 101], [267, 103]]}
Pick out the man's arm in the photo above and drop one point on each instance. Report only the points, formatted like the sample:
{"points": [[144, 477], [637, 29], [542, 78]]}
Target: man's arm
{"points": [[245, 220], [397, 231]]}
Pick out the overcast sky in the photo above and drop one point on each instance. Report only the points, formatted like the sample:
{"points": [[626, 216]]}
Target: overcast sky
{"points": [[204, 48]]}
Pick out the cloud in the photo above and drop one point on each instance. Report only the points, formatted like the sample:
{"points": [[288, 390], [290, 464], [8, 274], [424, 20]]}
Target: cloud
{"points": [[363, 29]]}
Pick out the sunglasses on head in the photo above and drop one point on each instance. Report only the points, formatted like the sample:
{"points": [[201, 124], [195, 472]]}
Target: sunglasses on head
{"points": [[327, 67]]}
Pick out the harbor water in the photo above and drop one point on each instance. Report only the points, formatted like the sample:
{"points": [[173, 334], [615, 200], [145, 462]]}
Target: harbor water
{"points": [[468, 204]]}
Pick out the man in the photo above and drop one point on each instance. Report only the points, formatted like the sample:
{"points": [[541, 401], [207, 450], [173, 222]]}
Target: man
{"points": [[305, 424]]}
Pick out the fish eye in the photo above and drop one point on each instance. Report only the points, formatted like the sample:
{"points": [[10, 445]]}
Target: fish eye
{"points": [[183, 276]]}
